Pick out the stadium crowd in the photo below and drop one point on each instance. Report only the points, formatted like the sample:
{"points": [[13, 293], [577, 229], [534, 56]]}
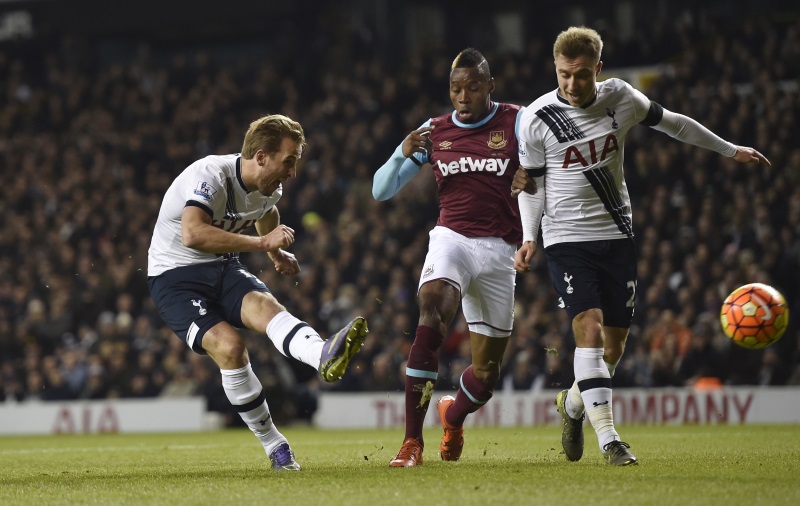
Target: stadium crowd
{"points": [[88, 145]]}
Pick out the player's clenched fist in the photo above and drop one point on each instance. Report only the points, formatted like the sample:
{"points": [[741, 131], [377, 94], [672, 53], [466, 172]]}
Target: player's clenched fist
{"points": [[285, 262], [522, 183], [279, 237]]}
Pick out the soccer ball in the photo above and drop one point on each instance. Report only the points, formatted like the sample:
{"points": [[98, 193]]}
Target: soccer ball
{"points": [[754, 315]]}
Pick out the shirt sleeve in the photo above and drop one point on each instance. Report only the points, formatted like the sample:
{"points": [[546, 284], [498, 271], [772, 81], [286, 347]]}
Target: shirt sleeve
{"points": [[685, 129], [204, 190], [396, 172], [531, 146], [531, 208], [641, 104]]}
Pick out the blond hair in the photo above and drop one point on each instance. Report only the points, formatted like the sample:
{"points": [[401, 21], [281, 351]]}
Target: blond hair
{"points": [[268, 132], [578, 41]]}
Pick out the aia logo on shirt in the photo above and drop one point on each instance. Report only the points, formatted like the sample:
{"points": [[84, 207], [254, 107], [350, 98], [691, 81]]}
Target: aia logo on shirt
{"points": [[205, 190], [580, 153]]}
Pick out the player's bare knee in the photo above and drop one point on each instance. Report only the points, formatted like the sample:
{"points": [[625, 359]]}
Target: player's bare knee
{"points": [[588, 328], [258, 309], [228, 353], [262, 303], [270, 303], [438, 303], [432, 316]]}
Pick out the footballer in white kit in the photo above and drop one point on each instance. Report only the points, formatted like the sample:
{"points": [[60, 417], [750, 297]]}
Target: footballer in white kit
{"points": [[213, 184], [579, 152], [205, 294], [572, 143]]}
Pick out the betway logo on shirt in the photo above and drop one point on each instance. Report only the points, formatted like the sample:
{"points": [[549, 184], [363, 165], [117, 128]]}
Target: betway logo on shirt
{"points": [[469, 164]]}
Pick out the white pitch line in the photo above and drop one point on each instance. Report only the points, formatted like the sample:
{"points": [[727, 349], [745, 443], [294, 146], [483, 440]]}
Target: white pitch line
{"points": [[21, 451]]}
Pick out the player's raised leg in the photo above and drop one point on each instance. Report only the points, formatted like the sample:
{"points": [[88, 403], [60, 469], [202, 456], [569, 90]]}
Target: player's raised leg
{"points": [[297, 339]]}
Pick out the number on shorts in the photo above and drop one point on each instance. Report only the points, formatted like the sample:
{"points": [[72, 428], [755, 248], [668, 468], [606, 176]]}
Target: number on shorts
{"points": [[631, 288]]}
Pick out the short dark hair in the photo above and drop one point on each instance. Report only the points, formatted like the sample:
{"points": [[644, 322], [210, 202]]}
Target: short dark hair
{"points": [[471, 58]]}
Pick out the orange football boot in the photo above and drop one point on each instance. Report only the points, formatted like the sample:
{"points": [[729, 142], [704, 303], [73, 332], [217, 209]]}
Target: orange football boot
{"points": [[410, 454], [453, 437]]}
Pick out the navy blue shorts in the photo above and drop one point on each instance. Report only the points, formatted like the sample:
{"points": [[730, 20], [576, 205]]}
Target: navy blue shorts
{"points": [[194, 298], [595, 274]]}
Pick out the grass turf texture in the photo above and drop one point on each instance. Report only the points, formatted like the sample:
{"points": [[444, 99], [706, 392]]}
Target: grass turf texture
{"points": [[690, 465]]}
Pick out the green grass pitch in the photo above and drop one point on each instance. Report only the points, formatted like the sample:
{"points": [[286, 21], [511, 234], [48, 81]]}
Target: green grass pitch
{"points": [[708, 465]]}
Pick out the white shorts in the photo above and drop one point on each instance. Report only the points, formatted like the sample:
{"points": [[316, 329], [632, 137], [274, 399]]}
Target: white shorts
{"points": [[482, 268]]}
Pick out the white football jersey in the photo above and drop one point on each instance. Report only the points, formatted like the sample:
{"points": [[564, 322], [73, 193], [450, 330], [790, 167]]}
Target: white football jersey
{"points": [[214, 184], [581, 150]]}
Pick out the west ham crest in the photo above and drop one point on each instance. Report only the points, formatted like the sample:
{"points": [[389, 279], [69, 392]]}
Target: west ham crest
{"points": [[497, 140]]}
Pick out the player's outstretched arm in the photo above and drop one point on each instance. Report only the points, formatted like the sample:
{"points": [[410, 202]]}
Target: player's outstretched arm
{"points": [[686, 129]]}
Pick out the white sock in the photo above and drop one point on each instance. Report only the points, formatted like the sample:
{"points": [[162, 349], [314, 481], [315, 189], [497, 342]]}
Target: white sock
{"points": [[610, 435], [574, 401], [594, 381], [246, 395], [295, 339], [606, 437]]}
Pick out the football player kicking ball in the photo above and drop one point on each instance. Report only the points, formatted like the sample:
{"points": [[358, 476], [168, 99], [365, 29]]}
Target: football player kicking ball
{"points": [[473, 153], [204, 293], [571, 141]]}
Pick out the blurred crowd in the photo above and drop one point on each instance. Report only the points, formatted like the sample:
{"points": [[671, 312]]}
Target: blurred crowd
{"points": [[88, 147]]}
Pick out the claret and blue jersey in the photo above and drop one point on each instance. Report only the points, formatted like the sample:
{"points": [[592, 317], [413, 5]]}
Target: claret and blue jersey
{"points": [[474, 165]]}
